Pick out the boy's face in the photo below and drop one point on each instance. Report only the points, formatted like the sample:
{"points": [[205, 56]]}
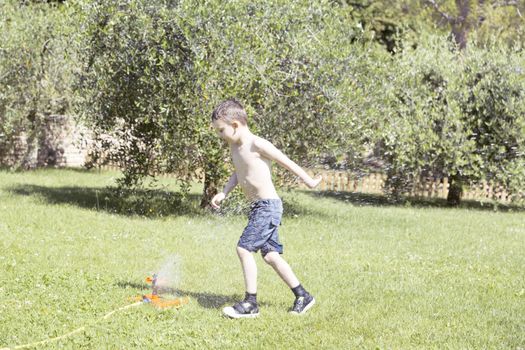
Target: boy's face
{"points": [[226, 131]]}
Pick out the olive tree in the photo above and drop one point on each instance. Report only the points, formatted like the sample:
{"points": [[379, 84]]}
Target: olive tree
{"points": [[292, 64], [35, 71], [420, 132], [154, 70], [493, 118], [452, 113]]}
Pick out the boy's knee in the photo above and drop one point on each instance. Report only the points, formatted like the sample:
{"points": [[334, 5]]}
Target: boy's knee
{"points": [[271, 257]]}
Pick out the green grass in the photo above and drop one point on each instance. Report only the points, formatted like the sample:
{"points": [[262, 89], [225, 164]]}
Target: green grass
{"points": [[384, 276]]}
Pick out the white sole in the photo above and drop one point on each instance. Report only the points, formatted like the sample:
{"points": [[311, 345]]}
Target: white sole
{"points": [[308, 307], [230, 312]]}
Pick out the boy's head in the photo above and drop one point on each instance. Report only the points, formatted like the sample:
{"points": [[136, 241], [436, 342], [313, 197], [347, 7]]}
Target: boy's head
{"points": [[227, 119], [230, 111]]}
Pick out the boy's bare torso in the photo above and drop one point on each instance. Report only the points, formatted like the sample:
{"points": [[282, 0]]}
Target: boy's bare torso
{"points": [[254, 172]]}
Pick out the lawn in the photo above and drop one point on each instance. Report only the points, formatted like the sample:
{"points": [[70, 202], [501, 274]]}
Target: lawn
{"points": [[384, 276]]}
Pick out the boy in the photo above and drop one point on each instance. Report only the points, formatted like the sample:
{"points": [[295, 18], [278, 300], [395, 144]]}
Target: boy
{"points": [[252, 157]]}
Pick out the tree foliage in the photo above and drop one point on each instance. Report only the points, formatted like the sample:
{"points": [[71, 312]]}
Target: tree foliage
{"points": [[330, 83], [493, 115], [153, 89], [455, 114], [485, 18], [136, 79], [398, 24], [35, 71]]}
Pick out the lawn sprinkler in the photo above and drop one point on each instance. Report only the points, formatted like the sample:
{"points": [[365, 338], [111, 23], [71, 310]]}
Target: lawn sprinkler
{"points": [[157, 300]]}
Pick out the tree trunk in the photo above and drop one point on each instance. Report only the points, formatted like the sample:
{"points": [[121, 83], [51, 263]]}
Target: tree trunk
{"points": [[460, 27], [460, 24], [29, 160], [455, 191], [210, 189], [460, 35]]}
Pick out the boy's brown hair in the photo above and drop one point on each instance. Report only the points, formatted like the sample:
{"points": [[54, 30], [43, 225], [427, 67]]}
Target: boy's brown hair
{"points": [[229, 111]]}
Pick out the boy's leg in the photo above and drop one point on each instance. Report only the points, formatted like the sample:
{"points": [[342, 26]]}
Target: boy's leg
{"points": [[248, 307], [249, 269], [275, 260], [303, 300]]}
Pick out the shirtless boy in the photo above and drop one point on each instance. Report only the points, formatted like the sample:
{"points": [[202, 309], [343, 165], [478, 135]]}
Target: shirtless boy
{"points": [[252, 157]]}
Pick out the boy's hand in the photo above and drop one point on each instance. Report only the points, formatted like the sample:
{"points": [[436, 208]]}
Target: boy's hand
{"points": [[219, 197], [312, 183]]}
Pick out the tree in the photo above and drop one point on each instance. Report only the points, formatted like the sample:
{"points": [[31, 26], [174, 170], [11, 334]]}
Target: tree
{"points": [[453, 114], [464, 16], [420, 132], [135, 83], [154, 71], [493, 117], [399, 24], [35, 72]]}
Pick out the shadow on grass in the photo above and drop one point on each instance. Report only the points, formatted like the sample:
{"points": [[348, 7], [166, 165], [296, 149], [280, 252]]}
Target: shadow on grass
{"points": [[50, 169], [147, 203], [378, 200], [206, 300]]}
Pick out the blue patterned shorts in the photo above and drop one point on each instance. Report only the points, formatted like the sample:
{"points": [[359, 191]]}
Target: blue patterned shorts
{"points": [[261, 233]]}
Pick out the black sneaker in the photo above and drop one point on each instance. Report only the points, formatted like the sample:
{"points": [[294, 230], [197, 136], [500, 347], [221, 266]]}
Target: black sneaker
{"points": [[243, 309], [302, 304]]}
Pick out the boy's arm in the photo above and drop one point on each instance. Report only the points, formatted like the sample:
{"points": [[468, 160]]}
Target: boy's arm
{"points": [[230, 185], [268, 150], [219, 197]]}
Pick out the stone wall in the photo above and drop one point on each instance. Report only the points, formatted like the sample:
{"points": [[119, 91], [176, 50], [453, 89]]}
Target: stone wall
{"points": [[61, 143]]}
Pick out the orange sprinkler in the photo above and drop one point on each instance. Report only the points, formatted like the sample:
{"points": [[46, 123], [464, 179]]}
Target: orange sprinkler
{"points": [[159, 301]]}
